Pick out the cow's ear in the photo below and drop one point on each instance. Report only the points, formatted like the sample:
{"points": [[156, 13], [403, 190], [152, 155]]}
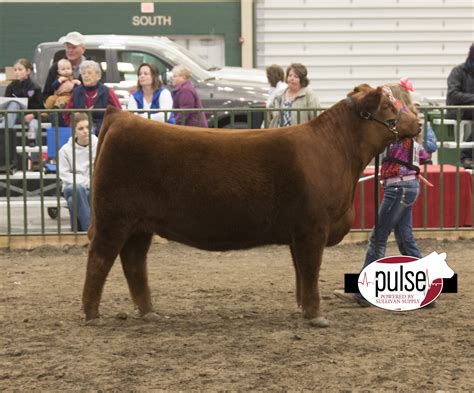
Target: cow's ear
{"points": [[371, 101], [365, 98], [362, 87]]}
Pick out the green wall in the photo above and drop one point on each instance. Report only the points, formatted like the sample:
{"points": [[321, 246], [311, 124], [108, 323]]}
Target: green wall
{"points": [[24, 25]]}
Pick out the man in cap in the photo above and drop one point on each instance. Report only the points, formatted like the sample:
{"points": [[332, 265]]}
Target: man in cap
{"points": [[461, 92], [75, 48]]}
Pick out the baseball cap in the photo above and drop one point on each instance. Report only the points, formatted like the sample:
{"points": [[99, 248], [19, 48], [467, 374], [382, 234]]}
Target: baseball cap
{"points": [[73, 38]]}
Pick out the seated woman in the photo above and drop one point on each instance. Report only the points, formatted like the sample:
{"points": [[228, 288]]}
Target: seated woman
{"points": [[75, 167], [92, 94], [151, 95], [23, 86]]}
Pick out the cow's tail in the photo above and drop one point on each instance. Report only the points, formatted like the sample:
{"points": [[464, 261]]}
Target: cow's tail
{"points": [[109, 116]]}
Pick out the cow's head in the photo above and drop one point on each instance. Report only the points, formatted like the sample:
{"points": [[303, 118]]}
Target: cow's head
{"points": [[379, 106]]}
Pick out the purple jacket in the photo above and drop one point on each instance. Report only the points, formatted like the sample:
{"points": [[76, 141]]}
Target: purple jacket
{"points": [[186, 97]]}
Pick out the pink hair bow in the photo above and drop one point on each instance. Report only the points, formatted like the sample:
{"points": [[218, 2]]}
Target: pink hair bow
{"points": [[404, 82]]}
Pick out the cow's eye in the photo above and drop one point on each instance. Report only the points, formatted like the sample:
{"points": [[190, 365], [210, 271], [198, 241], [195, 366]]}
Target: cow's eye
{"points": [[391, 122]]}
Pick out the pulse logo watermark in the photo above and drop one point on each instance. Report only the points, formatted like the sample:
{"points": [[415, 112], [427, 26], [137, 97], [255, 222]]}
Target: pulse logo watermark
{"points": [[403, 283]]}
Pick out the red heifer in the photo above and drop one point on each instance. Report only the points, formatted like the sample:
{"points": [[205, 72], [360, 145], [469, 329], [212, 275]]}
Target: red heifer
{"points": [[221, 190]]}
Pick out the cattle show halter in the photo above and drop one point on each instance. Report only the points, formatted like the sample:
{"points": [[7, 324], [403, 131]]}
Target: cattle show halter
{"points": [[391, 124]]}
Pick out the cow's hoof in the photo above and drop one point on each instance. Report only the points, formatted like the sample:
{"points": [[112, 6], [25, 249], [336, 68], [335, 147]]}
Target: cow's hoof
{"points": [[94, 322], [121, 315], [319, 322], [150, 317]]}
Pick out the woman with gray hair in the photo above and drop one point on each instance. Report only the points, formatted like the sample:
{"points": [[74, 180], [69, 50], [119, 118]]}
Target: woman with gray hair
{"points": [[185, 97], [92, 94]]}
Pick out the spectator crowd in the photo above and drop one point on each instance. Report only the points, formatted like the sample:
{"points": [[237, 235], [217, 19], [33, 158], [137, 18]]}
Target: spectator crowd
{"points": [[75, 83]]}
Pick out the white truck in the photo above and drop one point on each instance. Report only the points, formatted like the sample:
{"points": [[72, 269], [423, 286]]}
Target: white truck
{"points": [[120, 55]]}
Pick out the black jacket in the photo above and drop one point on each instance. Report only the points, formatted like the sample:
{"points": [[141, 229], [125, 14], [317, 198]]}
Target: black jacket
{"points": [[461, 91], [28, 89]]}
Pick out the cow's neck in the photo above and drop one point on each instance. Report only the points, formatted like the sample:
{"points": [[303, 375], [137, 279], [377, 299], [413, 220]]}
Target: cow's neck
{"points": [[374, 143], [357, 140], [370, 138]]}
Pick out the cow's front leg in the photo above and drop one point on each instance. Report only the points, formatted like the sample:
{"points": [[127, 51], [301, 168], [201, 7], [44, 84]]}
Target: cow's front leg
{"points": [[308, 253]]}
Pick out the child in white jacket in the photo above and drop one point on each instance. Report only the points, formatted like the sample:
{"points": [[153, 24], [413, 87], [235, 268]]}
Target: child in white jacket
{"points": [[75, 167]]}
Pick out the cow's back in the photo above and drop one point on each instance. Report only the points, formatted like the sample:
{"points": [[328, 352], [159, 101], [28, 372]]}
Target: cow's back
{"points": [[205, 188]]}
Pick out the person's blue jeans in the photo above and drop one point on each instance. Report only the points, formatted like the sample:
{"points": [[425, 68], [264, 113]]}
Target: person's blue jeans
{"points": [[83, 207], [395, 214], [12, 117]]}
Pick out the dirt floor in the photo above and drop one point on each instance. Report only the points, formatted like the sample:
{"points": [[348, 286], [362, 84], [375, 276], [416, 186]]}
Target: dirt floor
{"points": [[227, 321]]}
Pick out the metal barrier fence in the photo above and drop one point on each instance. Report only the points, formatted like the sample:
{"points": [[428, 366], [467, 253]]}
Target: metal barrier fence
{"points": [[31, 199]]}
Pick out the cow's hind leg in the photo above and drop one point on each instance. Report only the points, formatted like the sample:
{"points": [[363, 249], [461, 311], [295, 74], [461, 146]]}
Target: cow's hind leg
{"points": [[101, 257], [133, 256], [308, 252], [298, 276]]}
